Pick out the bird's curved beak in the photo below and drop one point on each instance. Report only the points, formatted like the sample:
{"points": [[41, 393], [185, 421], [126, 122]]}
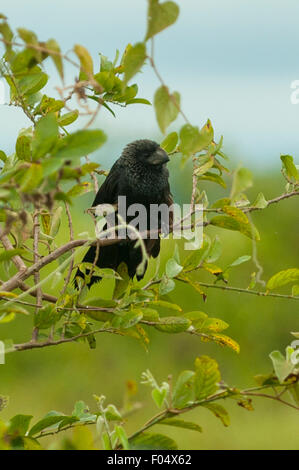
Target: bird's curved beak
{"points": [[159, 157]]}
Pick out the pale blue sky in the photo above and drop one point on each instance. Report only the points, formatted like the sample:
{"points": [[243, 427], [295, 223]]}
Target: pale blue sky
{"points": [[233, 62]]}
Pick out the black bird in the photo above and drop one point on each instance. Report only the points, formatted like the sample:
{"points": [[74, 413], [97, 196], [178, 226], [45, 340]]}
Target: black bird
{"points": [[141, 175]]}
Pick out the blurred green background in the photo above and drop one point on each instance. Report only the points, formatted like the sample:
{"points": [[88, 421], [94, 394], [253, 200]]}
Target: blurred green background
{"points": [[241, 80], [54, 378]]}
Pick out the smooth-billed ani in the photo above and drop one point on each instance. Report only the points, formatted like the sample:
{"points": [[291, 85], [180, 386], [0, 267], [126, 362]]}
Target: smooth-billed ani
{"points": [[141, 175]]}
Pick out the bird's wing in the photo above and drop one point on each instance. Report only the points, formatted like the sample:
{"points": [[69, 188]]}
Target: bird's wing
{"points": [[108, 192]]}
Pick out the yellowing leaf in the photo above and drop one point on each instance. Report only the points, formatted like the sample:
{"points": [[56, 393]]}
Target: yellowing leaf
{"points": [[53, 46], [230, 223], [170, 142], [223, 340], [85, 59], [32, 178], [236, 213], [283, 277], [214, 325], [193, 140], [219, 412], [206, 377]]}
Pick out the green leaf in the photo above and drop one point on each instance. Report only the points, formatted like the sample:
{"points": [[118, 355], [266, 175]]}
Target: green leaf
{"points": [[112, 413], [149, 314], [56, 221], [28, 36], [55, 53], [127, 320], [167, 107], [173, 268], [183, 392], [80, 143], [215, 250], [86, 62], [242, 181], [160, 16], [193, 140], [121, 285], [260, 202], [122, 436], [229, 223], [170, 142], [139, 100], [134, 60], [148, 441], [282, 367], [6, 33], [289, 166], [80, 188], [236, 213], [31, 178], [19, 424], [68, 118], [45, 136], [206, 377], [283, 277], [166, 285], [159, 395], [48, 105], [3, 156], [11, 308], [165, 304], [23, 148], [214, 325], [179, 423], [46, 317], [219, 412], [197, 318], [32, 83], [294, 391], [240, 260], [81, 411], [202, 169], [214, 178], [50, 419], [173, 324], [8, 254], [295, 290]]}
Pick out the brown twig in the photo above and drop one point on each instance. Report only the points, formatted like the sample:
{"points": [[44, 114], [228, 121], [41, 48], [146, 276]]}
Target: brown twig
{"points": [[36, 229], [71, 230]]}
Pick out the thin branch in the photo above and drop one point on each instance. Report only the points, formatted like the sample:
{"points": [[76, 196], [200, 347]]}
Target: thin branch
{"points": [[157, 73], [51, 342], [17, 260], [247, 291], [36, 228], [40, 48], [272, 201], [69, 274]]}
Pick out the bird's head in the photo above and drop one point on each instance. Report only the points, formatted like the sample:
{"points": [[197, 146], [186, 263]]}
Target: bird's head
{"points": [[146, 152]]}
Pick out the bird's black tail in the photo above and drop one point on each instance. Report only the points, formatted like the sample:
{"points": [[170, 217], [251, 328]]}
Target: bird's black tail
{"points": [[112, 256]]}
